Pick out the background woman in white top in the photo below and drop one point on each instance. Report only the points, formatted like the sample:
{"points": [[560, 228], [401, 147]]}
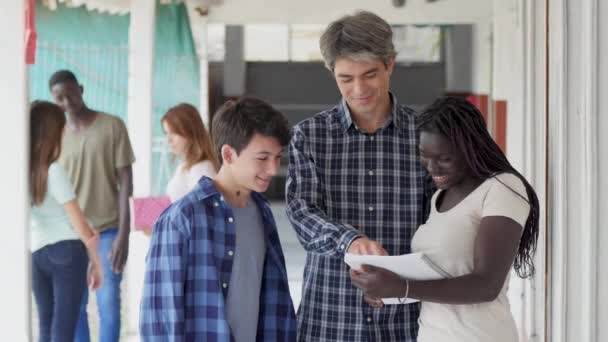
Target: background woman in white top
{"points": [[59, 259], [483, 221], [189, 141]]}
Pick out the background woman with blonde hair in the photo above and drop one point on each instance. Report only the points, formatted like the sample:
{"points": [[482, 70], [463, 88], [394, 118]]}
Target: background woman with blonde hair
{"points": [[59, 259], [189, 141]]}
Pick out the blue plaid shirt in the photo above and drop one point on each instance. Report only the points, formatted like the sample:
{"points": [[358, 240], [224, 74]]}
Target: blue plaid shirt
{"points": [[342, 184], [188, 269]]}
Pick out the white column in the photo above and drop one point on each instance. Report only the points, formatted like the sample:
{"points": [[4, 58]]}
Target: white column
{"points": [[139, 106], [519, 61], [602, 179], [577, 169], [508, 72], [14, 252], [140, 111], [198, 27], [534, 160]]}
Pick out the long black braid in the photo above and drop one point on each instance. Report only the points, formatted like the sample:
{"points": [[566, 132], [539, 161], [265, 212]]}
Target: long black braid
{"points": [[459, 121]]}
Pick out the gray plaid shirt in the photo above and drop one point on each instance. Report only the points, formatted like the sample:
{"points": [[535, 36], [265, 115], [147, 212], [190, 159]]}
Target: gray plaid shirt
{"points": [[343, 183]]}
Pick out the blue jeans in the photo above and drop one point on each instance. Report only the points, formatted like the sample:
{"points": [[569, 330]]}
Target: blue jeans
{"points": [[108, 297], [59, 277]]}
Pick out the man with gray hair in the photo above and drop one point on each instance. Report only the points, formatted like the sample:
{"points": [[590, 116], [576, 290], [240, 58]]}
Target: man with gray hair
{"points": [[355, 185]]}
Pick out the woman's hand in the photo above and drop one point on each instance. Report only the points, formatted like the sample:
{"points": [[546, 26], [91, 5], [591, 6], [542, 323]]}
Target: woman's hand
{"points": [[377, 283], [374, 302], [95, 274]]}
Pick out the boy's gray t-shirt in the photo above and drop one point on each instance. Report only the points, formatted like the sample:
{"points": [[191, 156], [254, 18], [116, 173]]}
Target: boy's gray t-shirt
{"points": [[243, 302]]}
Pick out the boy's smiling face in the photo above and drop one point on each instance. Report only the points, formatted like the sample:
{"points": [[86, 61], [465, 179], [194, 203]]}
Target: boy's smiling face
{"points": [[257, 163]]}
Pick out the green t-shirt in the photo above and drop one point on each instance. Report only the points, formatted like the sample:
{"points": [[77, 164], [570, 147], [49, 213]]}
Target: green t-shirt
{"points": [[48, 221], [91, 158]]}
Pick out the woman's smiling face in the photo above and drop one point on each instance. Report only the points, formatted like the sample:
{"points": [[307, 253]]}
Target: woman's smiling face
{"points": [[444, 162]]}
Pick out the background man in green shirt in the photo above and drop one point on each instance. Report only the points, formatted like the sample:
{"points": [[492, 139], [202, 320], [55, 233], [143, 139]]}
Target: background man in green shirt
{"points": [[97, 157]]}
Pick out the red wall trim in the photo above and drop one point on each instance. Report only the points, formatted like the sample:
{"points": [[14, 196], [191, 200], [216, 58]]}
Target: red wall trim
{"points": [[481, 102], [500, 124]]}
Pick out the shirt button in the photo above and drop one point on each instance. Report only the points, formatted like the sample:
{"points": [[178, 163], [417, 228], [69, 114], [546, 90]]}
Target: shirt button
{"points": [[371, 173], [369, 319], [371, 208], [216, 204], [230, 219], [222, 198], [342, 246], [231, 253], [224, 285], [371, 138]]}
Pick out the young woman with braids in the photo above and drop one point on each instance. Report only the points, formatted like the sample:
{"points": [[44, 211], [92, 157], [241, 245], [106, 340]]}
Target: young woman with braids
{"points": [[483, 221]]}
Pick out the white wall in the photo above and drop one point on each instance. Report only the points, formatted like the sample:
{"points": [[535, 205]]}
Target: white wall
{"points": [[508, 72], [14, 251], [323, 11], [482, 56]]}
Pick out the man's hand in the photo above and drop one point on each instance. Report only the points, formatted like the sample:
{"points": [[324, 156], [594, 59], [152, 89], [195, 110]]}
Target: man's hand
{"points": [[120, 251], [365, 246]]}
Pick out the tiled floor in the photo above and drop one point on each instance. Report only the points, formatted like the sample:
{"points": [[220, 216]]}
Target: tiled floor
{"points": [[295, 255]]}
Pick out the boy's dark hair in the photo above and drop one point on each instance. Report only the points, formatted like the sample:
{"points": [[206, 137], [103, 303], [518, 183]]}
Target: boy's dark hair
{"points": [[62, 76], [236, 121]]}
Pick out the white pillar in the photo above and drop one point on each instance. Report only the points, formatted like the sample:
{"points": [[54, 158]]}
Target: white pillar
{"points": [[519, 61], [140, 111], [14, 252], [577, 167], [602, 180], [139, 106], [198, 27]]}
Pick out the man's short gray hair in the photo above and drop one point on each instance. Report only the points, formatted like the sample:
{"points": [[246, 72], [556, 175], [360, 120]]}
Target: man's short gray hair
{"points": [[360, 36]]}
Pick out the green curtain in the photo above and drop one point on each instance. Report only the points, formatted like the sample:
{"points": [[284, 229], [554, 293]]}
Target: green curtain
{"points": [[95, 47], [176, 80]]}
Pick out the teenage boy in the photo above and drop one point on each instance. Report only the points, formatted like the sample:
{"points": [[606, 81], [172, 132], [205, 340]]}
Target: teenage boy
{"points": [[215, 270]]}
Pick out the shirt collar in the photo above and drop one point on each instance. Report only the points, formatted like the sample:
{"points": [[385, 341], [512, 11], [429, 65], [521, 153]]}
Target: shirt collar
{"points": [[346, 119], [205, 189]]}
